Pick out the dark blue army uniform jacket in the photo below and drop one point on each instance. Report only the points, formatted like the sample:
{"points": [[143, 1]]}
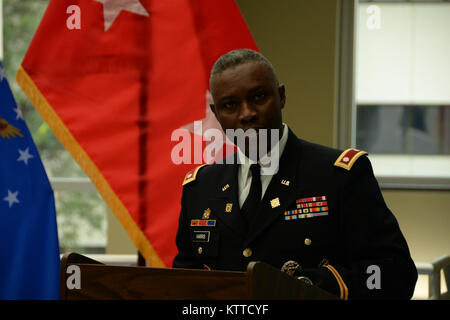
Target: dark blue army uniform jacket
{"points": [[328, 217]]}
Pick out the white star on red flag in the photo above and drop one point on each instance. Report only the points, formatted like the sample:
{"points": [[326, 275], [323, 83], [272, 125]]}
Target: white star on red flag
{"points": [[112, 8]]}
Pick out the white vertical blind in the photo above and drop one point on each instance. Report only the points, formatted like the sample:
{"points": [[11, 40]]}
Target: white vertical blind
{"points": [[403, 57], [403, 53]]}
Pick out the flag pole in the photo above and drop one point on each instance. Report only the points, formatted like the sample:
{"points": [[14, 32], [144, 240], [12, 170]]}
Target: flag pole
{"points": [[140, 260], [142, 123]]}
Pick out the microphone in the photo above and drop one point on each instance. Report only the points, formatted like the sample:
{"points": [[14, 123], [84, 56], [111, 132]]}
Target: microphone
{"points": [[294, 269], [291, 267]]}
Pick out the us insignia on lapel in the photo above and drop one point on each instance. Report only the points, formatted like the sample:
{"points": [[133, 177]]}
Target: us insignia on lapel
{"points": [[309, 207]]}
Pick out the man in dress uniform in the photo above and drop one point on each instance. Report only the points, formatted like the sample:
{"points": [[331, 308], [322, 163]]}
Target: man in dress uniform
{"points": [[320, 217]]}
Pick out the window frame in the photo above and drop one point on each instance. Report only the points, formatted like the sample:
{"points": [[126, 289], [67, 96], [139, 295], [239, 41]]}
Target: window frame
{"points": [[346, 104]]}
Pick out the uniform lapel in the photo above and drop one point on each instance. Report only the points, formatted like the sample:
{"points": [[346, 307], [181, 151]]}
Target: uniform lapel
{"points": [[282, 190], [225, 203]]}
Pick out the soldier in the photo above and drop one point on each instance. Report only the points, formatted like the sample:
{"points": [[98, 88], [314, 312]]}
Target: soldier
{"points": [[320, 217]]}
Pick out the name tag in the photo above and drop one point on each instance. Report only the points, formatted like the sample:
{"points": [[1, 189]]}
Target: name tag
{"points": [[201, 236]]}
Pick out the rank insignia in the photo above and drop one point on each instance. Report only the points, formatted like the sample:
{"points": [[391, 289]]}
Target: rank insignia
{"points": [[206, 213], [192, 175], [228, 207], [348, 158], [285, 182], [203, 223]]}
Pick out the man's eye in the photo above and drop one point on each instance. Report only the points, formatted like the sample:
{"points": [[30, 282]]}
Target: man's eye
{"points": [[259, 96], [228, 105]]}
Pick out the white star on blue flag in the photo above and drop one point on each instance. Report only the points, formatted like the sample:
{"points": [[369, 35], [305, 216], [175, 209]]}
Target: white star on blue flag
{"points": [[11, 198], [29, 258]]}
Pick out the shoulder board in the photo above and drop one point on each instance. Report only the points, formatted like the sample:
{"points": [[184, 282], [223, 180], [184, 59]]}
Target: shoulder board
{"points": [[348, 158], [192, 175]]}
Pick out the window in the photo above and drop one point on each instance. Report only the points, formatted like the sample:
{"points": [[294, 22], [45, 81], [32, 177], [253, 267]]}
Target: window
{"points": [[81, 213], [403, 90]]}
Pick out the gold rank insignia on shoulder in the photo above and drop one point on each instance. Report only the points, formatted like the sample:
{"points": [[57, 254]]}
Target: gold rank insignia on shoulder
{"points": [[192, 175], [348, 158]]}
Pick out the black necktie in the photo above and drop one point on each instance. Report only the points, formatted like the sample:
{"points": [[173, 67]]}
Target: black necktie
{"points": [[250, 206]]}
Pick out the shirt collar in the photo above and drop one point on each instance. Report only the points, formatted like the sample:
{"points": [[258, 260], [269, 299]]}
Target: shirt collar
{"points": [[246, 162]]}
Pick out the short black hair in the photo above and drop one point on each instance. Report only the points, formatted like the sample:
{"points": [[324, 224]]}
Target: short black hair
{"points": [[238, 57]]}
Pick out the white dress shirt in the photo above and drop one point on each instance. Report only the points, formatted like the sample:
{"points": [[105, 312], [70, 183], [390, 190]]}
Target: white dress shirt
{"points": [[245, 175]]}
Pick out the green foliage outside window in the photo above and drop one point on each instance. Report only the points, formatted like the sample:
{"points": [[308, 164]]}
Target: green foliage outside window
{"points": [[81, 216]]}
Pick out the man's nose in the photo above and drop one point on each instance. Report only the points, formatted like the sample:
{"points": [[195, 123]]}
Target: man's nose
{"points": [[247, 112]]}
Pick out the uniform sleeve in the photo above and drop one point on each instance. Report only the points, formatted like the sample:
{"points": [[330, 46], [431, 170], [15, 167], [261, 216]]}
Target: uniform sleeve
{"points": [[185, 257], [374, 260]]}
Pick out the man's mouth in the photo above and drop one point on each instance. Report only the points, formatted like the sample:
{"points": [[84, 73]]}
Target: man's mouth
{"points": [[251, 132], [255, 128]]}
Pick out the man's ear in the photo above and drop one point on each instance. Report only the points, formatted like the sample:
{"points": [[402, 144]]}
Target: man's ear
{"points": [[282, 93]]}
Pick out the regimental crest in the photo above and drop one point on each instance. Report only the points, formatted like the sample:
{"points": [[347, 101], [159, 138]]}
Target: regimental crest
{"points": [[8, 131], [206, 214]]}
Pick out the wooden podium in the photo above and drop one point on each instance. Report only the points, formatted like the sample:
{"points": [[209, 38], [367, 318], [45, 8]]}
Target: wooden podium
{"points": [[102, 282]]}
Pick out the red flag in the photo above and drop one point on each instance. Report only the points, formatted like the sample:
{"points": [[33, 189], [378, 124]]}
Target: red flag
{"points": [[114, 79]]}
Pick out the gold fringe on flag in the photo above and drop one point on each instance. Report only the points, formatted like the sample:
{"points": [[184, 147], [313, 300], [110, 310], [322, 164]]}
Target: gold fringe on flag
{"points": [[70, 143]]}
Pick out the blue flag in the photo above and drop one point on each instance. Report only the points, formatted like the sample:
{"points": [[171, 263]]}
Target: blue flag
{"points": [[29, 254]]}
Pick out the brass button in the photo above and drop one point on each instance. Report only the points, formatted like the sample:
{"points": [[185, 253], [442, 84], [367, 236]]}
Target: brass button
{"points": [[200, 250], [247, 252], [307, 241]]}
